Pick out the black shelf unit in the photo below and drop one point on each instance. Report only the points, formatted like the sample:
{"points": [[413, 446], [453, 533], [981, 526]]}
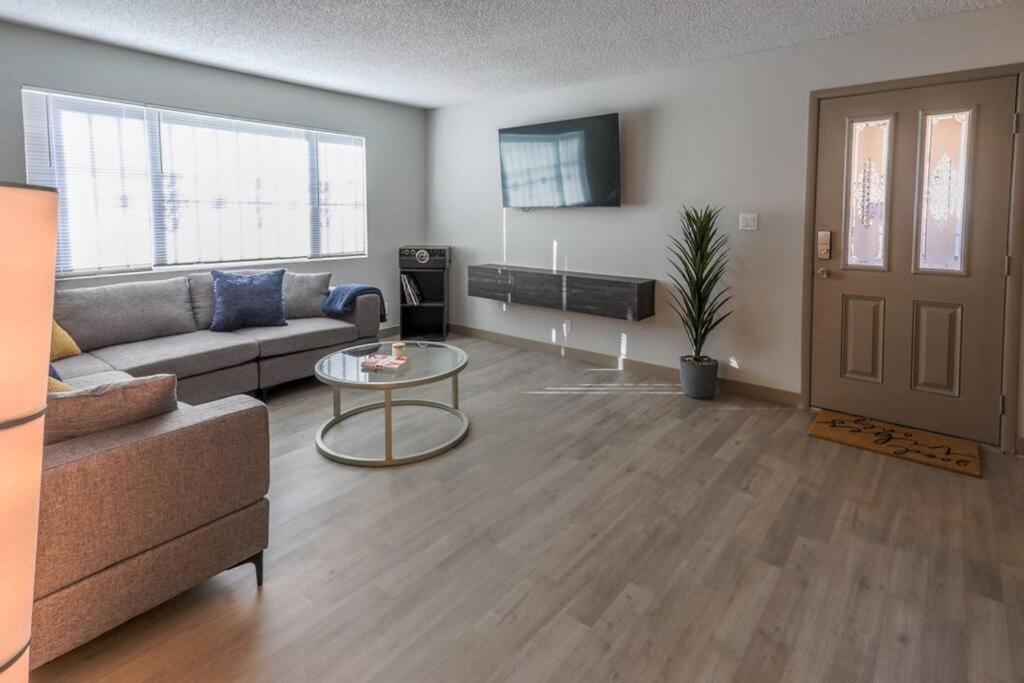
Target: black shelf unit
{"points": [[430, 269]]}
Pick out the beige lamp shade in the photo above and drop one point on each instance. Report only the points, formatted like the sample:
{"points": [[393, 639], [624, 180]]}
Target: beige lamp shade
{"points": [[28, 229]]}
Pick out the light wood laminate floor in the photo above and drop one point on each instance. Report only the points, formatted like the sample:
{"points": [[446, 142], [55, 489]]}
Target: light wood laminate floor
{"points": [[596, 525]]}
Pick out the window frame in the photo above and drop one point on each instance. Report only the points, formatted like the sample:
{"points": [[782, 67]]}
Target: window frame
{"points": [[155, 151]]}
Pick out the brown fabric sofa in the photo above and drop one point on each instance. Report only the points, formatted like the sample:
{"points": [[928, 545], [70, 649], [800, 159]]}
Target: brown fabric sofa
{"points": [[162, 326], [131, 516]]}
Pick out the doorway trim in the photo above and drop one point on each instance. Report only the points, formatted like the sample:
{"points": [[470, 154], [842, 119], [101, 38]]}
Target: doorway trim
{"points": [[1009, 438]]}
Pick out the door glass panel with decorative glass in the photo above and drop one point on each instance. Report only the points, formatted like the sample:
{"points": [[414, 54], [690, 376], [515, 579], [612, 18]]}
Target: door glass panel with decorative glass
{"points": [[942, 192], [869, 143]]}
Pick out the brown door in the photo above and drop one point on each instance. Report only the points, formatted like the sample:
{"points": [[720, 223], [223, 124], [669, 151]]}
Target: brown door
{"points": [[913, 188]]}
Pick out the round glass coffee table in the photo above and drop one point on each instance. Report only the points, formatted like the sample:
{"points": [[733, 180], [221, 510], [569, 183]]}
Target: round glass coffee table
{"points": [[428, 362]]}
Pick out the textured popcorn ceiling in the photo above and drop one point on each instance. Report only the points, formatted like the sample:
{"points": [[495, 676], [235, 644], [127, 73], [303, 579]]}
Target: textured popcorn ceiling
{"points": [[434, 53]]}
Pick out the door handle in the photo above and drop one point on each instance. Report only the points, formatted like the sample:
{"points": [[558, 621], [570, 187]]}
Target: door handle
{"points": [[823, 273]]}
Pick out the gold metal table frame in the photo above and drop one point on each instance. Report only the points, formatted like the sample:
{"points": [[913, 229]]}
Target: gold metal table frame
{"points": [[389, 460]]}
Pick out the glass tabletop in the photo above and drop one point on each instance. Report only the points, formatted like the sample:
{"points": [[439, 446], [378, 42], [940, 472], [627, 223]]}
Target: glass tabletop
{"points": [[428, 361]]}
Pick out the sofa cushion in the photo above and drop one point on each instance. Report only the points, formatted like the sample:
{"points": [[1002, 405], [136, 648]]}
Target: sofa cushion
{"points": [[87, 411], [98, 379], [247, 300], [111, 495], [183, 355], [117, 314], [76, 366], [300, 335], [303, 295]]}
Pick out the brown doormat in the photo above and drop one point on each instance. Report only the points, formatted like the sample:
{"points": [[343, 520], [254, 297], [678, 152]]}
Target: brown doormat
{"points": [[903, 442]]}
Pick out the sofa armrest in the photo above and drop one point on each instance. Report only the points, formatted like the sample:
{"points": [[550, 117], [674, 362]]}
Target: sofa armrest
{"points": [[365, 316], [110, 495]]}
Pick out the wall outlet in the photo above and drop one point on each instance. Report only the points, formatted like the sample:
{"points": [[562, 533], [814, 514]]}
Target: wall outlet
{"points": [[748, 221]]}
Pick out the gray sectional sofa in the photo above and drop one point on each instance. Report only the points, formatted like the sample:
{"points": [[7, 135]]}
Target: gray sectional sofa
{"points": [[132, 515], [163, 326]]}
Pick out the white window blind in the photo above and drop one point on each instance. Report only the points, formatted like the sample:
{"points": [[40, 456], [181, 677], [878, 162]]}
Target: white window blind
{"points": [[143, 187], [95, 154]]}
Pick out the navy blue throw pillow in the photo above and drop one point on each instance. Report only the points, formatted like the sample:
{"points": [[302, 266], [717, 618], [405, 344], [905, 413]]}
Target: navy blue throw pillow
{"points": [[247, 300]]}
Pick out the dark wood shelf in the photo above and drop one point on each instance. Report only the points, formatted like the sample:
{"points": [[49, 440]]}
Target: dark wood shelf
{"points": [[609, 296], [427, 320], [425, 304], [428, 336]]}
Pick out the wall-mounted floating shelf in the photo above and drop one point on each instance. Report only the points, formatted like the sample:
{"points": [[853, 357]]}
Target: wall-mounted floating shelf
{"points": [[610, 296]]}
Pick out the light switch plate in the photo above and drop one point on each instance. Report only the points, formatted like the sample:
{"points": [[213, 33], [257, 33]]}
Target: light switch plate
{"points": [[748, 221]]}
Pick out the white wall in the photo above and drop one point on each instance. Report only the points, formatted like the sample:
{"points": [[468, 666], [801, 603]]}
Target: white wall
{"points": [[395, 134], [730, 132]]}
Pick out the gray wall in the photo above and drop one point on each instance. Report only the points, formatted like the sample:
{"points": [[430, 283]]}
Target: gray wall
{"points": [[730, 132], [395, 134]]}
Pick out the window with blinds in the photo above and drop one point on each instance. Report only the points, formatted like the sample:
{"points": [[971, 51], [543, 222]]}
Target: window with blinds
{"points": [[143, 187]]}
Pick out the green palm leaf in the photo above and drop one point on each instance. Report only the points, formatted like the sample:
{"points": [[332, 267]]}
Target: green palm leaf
{"points": [[699, 259]]}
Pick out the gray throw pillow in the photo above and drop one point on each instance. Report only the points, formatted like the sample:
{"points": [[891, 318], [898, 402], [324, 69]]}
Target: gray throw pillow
{"points": [[200, 292], [86, 411], [304, 293]]}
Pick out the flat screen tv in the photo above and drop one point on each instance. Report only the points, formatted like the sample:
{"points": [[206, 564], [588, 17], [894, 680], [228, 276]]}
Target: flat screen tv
{"points": [[561, 163]]}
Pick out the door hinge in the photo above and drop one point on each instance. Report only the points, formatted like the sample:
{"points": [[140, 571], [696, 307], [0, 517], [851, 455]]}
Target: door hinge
{"points": [[1015, 127], [1002, 404], [1006, 266]]}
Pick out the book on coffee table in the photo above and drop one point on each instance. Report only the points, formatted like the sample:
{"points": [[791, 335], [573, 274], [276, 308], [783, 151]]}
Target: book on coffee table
{"points": [[380, 362]]}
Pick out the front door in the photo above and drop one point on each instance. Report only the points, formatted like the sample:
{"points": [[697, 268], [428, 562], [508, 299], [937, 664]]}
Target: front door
{"points": [[911, 238]]}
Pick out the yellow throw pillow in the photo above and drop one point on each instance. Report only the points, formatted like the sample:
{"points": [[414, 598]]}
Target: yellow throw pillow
{"points": [[61, 344], [55, 386]]}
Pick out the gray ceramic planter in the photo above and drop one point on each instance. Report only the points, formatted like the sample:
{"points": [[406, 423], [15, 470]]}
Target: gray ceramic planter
{"points": [[699, 380]]}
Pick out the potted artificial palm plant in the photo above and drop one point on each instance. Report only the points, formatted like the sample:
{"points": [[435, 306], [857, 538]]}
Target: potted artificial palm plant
{"points": [[699, 258]]}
